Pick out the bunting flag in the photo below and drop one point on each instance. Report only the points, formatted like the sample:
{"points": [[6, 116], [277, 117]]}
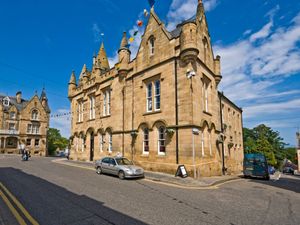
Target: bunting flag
{"points": [[146, 13], [140, 23], [127, 46], [151, 3], [131, 39], [135, 33]]}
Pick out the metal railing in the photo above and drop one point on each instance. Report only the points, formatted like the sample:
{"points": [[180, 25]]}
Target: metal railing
{"points": [[9, 132]]}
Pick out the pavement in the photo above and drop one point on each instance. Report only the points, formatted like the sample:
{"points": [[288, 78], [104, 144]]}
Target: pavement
{"points": [[164, 178]]}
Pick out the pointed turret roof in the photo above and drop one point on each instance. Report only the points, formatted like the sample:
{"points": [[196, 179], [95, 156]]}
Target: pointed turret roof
{"points": [[102, 58], [73, 78], [43, 97], [83, 72], [43, 94], [124, 42]]}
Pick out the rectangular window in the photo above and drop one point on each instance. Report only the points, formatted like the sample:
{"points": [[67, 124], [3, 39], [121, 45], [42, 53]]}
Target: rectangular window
{"points": [[29, 128], [11, 126], [101, 141], [106, 102], [157, 95], [36, 142], [76, 143], [161, 141], [202, 143], [12, 115], [80, 111], [149, 97], [33, 129], [146, 141], [110, 143], [210, 147], [92, 107], [206, 96], [82, 144], [28, 142]]}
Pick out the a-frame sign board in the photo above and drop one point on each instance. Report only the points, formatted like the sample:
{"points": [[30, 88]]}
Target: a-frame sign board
{"points": [[181, 171]]}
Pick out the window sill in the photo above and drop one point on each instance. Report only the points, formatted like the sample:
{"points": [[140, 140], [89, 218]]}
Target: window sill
{"points": [[150, 113], [145, 155], [91, 120], [103, 117], [161, 155], [207, 113], [79, 122]]}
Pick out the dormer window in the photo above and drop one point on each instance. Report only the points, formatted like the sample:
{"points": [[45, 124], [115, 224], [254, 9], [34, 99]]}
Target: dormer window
{"points": [[34, 114], [151, 45], [6, 101], [12, 115]]}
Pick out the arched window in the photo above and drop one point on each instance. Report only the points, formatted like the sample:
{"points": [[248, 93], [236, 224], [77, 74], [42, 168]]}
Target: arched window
{"points": [[110, 143], [6, 101], [205, 46], [34, 114], [202, 143], [151, 45], [161, 140], [146, 141]]}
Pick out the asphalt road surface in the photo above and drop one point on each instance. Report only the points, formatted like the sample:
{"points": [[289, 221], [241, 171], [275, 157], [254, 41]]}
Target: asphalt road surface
{"points": [[42, 192]]}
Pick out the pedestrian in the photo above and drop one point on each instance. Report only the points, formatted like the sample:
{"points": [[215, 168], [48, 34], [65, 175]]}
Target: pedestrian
{"points": [[67, 153]]}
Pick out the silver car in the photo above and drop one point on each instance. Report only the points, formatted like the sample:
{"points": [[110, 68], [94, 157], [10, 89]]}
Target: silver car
{"points": [[120, 166]]}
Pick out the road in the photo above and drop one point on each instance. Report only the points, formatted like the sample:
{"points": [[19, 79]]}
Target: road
{"points": [[54, 194]]}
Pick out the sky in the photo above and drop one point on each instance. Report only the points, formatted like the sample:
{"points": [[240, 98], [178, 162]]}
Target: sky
{"points": [[42, 41]]}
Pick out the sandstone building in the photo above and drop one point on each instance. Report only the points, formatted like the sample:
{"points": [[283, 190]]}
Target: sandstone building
{"points": [[160, 109], [24, 122]]}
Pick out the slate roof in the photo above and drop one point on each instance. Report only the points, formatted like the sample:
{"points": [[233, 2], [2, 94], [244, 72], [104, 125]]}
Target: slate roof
{"points": [[13, 101], [176, 32]]}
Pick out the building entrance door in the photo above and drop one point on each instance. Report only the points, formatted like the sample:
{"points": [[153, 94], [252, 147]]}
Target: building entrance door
{"points": [[92, 147]]}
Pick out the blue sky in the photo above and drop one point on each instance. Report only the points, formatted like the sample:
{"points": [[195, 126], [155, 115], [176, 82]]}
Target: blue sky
{"points": [[41, 42]]}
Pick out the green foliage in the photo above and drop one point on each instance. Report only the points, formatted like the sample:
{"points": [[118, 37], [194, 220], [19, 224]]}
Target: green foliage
{"points": [[55, 141], [263, 139]]}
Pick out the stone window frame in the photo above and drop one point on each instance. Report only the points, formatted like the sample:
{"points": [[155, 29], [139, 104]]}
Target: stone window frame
{"points": [[146, 141], [206, 92], [92, 101], [151, 89], [80, 105], [6, 101], [12, 115], [106, 92], [35, 114], [151, 43], [101, 141], [161, 140], [36, 142], [13, 126], [28, 142]]}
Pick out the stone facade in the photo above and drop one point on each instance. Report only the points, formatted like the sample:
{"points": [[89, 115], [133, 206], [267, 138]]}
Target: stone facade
{"points": [[24, 123], [160, 109]]}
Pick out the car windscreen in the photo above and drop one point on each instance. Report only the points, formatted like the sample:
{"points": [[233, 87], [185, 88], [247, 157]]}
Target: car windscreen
{"points": [[124, 161]]}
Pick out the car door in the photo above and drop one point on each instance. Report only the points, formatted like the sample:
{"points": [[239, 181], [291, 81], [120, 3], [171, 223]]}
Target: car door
{"points": [[105, 165], [113, 166]]}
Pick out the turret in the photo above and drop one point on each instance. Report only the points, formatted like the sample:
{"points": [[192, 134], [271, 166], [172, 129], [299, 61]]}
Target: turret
{"points": [[101, 60], [72, 84], [188, 42], [217, 63], [44, 101], [124, 56], [84, 74]]}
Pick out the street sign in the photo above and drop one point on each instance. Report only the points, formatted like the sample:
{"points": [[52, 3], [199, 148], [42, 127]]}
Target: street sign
{"points": [[181, 171]]}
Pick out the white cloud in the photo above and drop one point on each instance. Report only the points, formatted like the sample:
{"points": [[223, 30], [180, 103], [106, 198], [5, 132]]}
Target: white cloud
{"points": [[61, 121], [272, 108], [254, 65], [181, 10]]}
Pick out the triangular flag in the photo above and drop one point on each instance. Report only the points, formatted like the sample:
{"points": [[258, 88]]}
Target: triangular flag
{"points": [[146, 13], [140, 23], [135, 33], [127, 46], [131, 39]]}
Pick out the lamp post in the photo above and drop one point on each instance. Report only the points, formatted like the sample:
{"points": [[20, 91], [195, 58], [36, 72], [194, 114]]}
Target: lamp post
{"points": [[195, 131]]}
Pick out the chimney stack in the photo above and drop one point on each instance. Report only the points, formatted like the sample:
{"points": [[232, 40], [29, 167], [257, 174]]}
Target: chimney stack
{"points": [[19, 97]]}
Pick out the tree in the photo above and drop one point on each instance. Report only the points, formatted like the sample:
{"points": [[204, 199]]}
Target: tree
{"points": [[263, 139], [55, 141]]}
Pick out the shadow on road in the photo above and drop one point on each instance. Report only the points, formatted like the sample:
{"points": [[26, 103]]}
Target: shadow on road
{"points": [[52, 204], [291, 184]]}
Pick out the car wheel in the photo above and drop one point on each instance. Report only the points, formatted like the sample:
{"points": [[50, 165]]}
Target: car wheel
{"points": [[121, 175], [98, 170]]}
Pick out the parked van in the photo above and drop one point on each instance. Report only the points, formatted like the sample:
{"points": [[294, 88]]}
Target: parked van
{"points": [[255, 165]]}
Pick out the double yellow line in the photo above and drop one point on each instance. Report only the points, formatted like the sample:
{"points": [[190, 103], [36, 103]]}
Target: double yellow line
{"points": [[6, 195]]}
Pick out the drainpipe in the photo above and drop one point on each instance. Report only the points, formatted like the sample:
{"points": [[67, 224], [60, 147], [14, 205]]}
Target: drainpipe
{"points": [[123, 118], [176, 113], [222, 131]]}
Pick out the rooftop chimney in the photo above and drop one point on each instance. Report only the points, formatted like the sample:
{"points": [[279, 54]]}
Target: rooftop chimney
{"points": [[19, 97]]}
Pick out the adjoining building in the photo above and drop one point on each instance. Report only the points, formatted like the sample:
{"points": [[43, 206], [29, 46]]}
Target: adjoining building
{"points": [[160, 109], [24, 123]]}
